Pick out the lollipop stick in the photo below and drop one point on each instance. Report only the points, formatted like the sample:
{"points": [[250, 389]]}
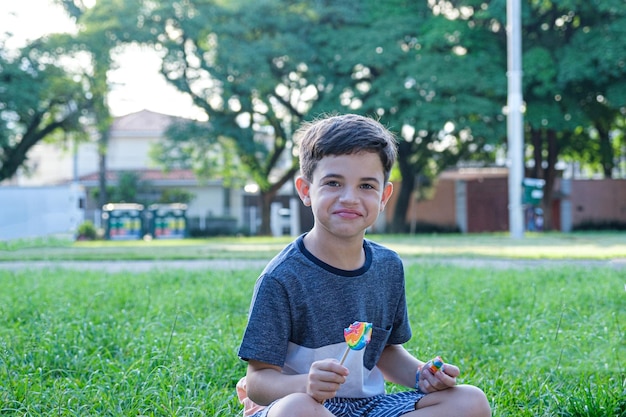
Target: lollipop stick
{"points": [[345, 355]]}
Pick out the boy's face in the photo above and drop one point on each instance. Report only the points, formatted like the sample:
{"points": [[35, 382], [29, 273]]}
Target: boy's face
{"points": [[346, 193]]}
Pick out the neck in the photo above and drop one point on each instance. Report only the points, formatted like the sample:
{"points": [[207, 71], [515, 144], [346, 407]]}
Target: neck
{"points": [[346, 254]]}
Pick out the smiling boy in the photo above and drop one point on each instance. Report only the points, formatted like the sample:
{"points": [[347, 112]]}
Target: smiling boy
{"points": [[331, 277]]}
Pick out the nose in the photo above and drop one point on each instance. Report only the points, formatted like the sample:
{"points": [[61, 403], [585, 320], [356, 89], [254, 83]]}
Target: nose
{"points": [[349, 195]]}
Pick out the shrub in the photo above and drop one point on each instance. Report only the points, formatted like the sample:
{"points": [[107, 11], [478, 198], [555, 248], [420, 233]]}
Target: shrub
{"points": [[87, 231]]}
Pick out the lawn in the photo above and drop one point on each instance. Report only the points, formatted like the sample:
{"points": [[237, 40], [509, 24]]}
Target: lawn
{"points": [[540, 341]]}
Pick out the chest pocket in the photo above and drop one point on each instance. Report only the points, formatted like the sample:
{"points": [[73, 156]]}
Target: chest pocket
{"points": [[375, 347]]}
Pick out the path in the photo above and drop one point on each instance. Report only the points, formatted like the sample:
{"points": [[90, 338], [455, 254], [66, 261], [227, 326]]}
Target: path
{"points": [[145, 266]]}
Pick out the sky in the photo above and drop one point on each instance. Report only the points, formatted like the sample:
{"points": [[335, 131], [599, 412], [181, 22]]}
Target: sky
{"points": [[136, 85]]}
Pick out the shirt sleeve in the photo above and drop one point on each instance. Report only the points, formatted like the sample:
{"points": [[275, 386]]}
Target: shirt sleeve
{"points": [[402, 327], [267, 333]]}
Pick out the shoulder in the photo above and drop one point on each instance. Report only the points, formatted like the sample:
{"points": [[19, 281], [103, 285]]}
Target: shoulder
{"points": [[286, 259], [379, 251]]}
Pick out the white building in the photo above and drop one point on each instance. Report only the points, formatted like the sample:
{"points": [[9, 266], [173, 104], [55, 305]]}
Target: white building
{"points": [[131, 139]]}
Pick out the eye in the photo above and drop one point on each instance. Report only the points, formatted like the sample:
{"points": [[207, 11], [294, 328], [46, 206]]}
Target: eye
{"points": [[332, 183], [368, 186]]}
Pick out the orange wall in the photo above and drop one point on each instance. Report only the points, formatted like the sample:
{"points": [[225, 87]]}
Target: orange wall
{"points": [[598, 201], [439, 210], [487, 203]]}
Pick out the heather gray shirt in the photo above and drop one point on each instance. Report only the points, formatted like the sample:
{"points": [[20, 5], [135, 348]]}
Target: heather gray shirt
{"points": [[301, 305]]}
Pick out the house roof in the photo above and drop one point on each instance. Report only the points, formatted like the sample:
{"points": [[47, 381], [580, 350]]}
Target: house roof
{"points": [[141, 123]]}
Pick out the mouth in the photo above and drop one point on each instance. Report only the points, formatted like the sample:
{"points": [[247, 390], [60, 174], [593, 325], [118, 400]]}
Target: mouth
{"points": [[348, 214]]}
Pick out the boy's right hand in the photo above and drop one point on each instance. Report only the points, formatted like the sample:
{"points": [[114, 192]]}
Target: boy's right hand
{"points": [[325, 378]]}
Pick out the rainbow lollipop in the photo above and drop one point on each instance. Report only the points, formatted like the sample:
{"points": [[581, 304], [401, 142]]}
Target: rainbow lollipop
{"points": [[357, 336]]}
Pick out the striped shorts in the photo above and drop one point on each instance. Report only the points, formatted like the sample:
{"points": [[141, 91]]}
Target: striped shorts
{"points": [[384, 405]]}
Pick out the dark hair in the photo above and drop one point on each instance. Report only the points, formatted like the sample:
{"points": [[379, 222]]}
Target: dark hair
{"points": [[345, 135]]}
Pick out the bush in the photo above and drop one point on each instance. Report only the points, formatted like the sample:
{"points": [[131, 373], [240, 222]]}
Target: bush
{"points": [[429, 228], [213, 226], [87, 231], [600, 225]]}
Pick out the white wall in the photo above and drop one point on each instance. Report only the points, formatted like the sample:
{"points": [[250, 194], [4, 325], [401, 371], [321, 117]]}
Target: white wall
{"points": [[30, 212], [128, 153], [51, 164]]}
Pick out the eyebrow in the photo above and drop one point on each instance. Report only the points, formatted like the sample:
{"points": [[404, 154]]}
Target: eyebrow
{"points": [[363, 179]]}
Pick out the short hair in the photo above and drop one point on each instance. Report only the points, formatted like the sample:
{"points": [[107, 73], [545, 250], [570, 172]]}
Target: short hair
{"points": [[345, 135]]}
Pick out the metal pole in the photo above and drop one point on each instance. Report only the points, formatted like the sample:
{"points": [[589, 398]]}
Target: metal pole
{"points": [[515, 126]]}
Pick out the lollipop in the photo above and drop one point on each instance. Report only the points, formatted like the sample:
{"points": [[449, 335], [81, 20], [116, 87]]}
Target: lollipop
{"points": [[357, 336], [436, 365]]}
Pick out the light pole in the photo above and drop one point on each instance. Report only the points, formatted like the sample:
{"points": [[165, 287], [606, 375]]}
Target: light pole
{"points": [[515, 125]]}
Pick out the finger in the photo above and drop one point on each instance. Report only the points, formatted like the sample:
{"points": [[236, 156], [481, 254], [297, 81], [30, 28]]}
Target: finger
{"points": [[441, 381], [323, 391], [451, 370], [438, 381], [429, 386], [331, 365]]}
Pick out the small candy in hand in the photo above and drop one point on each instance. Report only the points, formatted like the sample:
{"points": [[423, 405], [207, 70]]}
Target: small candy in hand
{"points": [[436, 364]]}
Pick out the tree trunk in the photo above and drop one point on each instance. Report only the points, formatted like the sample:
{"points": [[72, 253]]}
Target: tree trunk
{"points": [[398, 223], [607, 154], [266, 202], [536, 138], [550, 178], [13, 157], [102, 170]]}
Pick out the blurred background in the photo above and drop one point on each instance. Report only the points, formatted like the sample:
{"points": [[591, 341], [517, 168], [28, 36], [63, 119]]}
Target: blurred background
{"points": [[169, 119]]}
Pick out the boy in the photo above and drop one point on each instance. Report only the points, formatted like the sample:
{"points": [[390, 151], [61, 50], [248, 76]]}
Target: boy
{"points": [[331, 277]]}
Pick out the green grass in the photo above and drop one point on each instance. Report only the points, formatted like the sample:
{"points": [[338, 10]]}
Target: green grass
{"points": [[540, 342], [599, 246], [161, 344]]}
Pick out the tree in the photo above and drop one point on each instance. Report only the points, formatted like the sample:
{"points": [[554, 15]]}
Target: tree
{"points": [[39, 99], [97, 40], [573, 60], [432, 79], [258, 79], [576, 57], [246, 64], [433, 72], [592, 67]]}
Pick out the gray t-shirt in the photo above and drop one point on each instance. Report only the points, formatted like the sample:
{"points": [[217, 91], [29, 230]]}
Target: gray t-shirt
{"points": [[301, 306]]}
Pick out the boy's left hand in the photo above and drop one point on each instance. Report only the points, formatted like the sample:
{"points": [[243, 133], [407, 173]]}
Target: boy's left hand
{"points": [[438, 381]]}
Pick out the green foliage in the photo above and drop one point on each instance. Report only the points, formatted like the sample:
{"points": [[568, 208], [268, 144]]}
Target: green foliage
{"points": [[128, 185], [87, 231], [39, 99], [130, 188], [545, 341], [176, 195]]}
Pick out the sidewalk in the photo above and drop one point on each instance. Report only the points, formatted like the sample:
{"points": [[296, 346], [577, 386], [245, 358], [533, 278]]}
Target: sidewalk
{"points": [[235, 264]]}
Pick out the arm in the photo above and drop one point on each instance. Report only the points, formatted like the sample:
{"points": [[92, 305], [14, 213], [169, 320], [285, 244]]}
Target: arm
{"points": [[399, 366], [266, 383]]}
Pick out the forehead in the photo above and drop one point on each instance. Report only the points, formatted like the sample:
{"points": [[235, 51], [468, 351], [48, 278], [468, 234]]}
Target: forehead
{"points": [[357, 165]]}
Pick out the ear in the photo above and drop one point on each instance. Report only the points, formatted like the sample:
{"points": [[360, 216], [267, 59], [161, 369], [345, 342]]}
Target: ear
{"points": [[387, 191], [303, 186]]}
